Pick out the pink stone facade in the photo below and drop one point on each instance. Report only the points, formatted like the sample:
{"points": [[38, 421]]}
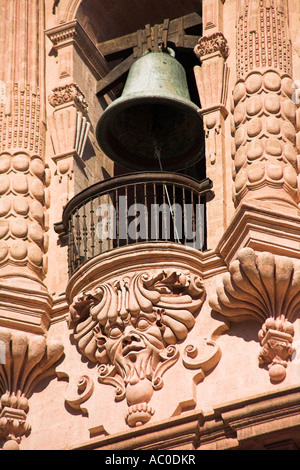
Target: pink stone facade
{"points": [[153, 345]]}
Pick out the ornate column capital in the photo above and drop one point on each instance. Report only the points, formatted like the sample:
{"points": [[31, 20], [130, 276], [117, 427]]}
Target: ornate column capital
{"points": [[215, 43], [66, 95]]}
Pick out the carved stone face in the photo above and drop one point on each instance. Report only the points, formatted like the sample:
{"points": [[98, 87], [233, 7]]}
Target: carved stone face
{"points": [[130, 328], [133, 345]]}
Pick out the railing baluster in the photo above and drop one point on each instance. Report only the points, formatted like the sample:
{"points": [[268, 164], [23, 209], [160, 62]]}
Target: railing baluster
{"points": [[100, 235], [78, 238], [92, 229], [184, 216], [88, 235], [117, 208], [126, 213], [84, 233], [156, 221], [193, 227], [71, 246]]}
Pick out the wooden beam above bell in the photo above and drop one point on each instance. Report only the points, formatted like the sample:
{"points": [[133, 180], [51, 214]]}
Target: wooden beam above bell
{"points": [[150, 38]]}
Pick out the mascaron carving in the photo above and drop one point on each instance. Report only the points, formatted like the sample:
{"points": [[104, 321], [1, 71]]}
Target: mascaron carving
{"points": [[264, 287], [131, 327]]}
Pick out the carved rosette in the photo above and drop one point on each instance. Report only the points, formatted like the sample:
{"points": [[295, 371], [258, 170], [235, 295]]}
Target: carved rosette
{"points": [[27, 360], [266, 288], [130, 328], [263, 113]]}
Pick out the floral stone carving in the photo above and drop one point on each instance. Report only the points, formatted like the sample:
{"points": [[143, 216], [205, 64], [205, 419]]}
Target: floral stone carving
{"points": [[130, 328], [266, 288]]}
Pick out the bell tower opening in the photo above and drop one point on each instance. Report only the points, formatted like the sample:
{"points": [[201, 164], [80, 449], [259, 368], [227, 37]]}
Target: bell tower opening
{"points": [[121, 42]]}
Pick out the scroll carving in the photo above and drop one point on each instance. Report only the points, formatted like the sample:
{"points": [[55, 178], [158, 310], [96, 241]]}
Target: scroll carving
{"points": [[264, 287], [28, 359], [130, 328]]}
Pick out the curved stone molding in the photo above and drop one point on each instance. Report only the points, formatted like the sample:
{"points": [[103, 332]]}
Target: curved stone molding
{"points": [[266, 288], [130, 327], [204, 356], [27, 360], [80, 392]]}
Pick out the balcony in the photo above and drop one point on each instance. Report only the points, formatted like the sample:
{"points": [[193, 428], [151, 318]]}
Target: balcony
{"points": [[133, 209]]}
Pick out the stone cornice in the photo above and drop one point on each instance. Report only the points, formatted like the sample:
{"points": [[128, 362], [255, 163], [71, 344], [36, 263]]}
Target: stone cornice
{"points": [[72, 33], [262, 228], [253, 421]]}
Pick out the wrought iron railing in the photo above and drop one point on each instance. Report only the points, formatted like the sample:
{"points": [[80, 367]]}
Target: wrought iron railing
{"points": [[135, 208]]}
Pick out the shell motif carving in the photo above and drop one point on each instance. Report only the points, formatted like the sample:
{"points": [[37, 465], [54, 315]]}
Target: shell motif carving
{"points": [[266, 288], [27, 359], [130, 328]]}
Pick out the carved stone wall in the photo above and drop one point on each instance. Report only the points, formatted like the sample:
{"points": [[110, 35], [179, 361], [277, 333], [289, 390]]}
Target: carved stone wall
{"points": [[136, 335]]}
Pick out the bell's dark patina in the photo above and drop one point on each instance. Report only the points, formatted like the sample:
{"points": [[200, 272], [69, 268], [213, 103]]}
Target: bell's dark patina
{"points": [[154, 111]]}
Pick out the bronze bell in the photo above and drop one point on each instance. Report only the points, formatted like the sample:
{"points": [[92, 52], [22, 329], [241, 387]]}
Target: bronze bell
{"points": [[153, 118]]}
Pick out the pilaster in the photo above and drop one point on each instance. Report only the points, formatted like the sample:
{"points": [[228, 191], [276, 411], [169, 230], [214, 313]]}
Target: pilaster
{"points": [[212, 82]]}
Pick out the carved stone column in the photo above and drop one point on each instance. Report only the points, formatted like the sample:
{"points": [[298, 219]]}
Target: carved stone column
{"points": [[25, 303], [23, 175], [264, 115]]}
